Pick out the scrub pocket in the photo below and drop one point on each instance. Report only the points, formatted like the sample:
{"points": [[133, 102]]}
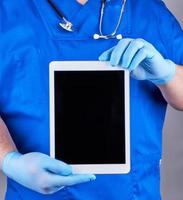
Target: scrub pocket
{"points": [[146, 178], [113, 187]]}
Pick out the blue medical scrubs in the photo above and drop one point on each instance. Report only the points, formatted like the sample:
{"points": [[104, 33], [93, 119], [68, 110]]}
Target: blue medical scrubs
{"points": [[30, 39]]}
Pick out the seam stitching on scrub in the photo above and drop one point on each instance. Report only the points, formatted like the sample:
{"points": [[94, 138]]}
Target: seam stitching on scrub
{"points": [[129, 13], [128, 17], [160, 33], [154, 167], [42, 20], [134, 184]]}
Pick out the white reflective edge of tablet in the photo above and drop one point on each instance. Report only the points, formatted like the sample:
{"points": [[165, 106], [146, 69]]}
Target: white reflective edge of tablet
{"points": [[83, 65], [52, 109], [90, 66], [101, 169]]}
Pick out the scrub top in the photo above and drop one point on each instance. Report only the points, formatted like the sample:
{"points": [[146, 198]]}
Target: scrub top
{"points": [[30, 38]]}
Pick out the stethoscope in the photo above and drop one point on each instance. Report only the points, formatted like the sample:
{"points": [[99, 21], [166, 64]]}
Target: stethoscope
{"points": [[68, 26]]}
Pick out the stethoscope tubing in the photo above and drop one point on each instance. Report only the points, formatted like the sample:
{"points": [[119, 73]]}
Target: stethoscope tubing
{"points": [[68, 26], [56, 9]]}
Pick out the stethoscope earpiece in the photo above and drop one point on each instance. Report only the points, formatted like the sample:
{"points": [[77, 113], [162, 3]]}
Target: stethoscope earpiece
{"points": [[97, 36], [119, 37]]}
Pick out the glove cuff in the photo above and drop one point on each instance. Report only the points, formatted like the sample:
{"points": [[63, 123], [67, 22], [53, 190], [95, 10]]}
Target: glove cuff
{"points": [[6, 164], [169, 77]]}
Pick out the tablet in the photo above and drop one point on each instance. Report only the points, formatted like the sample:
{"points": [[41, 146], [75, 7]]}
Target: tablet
{"points": [[89, 116]]}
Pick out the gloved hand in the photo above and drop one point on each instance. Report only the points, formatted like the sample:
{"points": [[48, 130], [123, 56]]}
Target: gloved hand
{"points": [[141, 59], [41, 173]]}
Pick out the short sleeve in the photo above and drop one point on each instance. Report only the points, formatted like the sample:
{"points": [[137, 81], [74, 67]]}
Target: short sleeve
{"points": [[171, 33]]}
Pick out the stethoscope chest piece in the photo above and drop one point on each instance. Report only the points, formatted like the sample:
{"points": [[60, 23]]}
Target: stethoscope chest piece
{"points": [[66, 25]]}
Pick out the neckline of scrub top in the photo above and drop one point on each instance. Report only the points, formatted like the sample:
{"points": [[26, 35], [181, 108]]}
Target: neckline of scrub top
{"points": [[84, 19], [68, 7]]}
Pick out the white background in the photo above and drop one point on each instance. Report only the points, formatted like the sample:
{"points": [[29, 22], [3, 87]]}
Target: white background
{"points": [[172, 165]]}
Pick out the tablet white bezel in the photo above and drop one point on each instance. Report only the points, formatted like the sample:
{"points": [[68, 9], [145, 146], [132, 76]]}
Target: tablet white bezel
{"points": [[90, 66]]}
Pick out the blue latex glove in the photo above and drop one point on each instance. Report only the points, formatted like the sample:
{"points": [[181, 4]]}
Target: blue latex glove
{"points": [[141, 59], [41, 173]]}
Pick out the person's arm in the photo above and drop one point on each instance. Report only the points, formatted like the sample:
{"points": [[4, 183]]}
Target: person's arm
{"points": [[34, 170], [172, 36], [6, 143], [173, 90], [145, 63]]}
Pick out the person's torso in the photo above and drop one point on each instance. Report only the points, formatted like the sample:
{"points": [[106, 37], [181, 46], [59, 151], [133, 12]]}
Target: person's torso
{"points": [[34, 39]]}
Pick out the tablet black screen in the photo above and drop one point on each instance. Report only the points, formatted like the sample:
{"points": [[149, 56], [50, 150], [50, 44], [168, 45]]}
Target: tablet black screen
{"points": [[90, 117]]}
